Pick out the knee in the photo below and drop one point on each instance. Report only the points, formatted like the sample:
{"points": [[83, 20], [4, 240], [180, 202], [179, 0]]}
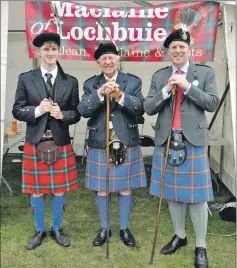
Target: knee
{"points": [[58, 194], [37, 195], [101, 193], [128, 192]]}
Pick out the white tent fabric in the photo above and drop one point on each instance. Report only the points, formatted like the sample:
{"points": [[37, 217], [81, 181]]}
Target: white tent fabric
{"points": [[230, 35], [4, 35]]}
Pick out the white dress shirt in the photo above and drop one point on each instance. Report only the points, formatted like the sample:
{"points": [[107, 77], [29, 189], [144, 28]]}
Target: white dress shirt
{"points": [[54, 73], [184, 74]]}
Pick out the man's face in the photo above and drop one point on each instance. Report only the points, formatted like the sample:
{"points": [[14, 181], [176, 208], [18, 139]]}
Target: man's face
{"points": [[178, 52], [49, 54], [109, 64]]}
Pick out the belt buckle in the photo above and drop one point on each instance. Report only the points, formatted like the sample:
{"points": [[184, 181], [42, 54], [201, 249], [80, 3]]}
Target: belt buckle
{"points": [[178, 137]]}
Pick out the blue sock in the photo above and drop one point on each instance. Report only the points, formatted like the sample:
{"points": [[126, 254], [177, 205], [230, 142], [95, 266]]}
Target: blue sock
{"points": [[101, 203], [125, 206], [38, 204], [57, 209]]}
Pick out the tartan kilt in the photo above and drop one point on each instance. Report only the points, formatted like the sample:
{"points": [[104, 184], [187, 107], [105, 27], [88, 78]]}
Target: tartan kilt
{"points": [[38, 177], [189, 182], [126, 176]]}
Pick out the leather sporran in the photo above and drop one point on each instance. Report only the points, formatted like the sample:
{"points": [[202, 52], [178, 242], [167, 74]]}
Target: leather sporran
{"points": [[48, 152], [177, 153], [117, 152]]}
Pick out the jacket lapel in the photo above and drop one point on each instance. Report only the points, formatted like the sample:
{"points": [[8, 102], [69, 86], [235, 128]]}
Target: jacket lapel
{"points": [[39, 83], [99, 81], [192, 73], [60, 86], [122, 81], [166, 77]]}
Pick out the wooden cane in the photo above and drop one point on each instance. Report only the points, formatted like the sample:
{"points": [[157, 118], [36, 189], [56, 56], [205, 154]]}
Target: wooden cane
{"points": [[117, 97], [107, 172], [163, 177]]}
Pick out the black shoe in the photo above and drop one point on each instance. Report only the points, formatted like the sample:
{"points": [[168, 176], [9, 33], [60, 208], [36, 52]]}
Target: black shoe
{"points": [[36, 240], [173, 245], [101, 237], [201, 260], [60, 237], [127, 238]]}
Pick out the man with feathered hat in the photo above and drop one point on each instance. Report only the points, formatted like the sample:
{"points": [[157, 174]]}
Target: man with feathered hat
{"points": [[188, 178]]}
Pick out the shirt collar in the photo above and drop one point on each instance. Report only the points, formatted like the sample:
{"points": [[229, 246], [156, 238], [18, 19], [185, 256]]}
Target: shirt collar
{"points": [[53, 72], [183, 68], [112, 78]]}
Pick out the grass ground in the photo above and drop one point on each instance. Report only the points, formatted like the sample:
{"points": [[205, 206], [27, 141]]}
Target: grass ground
{"points": [[81, 221]]}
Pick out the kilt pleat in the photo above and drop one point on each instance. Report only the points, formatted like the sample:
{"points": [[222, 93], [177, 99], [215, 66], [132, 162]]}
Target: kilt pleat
{"points": [[126, 176], [38, 177], [189, 182]]}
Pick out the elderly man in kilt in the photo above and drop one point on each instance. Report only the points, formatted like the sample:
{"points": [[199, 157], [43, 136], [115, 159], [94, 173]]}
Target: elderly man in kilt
{"points": [[188, 179], [125, 174], [46, 99]]}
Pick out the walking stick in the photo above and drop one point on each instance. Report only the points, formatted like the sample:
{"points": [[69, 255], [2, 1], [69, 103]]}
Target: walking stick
{"points": [[117, 96], [107, 172], [163, 176]]}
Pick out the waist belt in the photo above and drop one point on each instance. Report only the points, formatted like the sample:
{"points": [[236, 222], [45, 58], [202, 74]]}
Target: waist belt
{"points": [[46, 139]]}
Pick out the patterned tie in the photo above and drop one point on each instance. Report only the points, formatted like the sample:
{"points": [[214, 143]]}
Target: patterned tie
{"points": [[177, 119], [49, 83]]}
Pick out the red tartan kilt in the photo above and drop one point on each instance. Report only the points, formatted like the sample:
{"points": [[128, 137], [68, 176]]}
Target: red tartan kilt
{"points": [[42, 178]]}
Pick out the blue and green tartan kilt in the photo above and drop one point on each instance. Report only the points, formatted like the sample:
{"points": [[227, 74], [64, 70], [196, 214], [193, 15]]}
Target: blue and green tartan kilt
{"points": [[189, 182], [126, 176]]}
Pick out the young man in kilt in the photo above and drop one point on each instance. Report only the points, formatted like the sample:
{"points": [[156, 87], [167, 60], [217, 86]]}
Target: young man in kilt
{"points": [[130, 173], [46, 99], [186, 181]]}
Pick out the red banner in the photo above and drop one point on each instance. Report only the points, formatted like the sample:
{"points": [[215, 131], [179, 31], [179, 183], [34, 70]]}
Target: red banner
{"points": [[138, 32]]}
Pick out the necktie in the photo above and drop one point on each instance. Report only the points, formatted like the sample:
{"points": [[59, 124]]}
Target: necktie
{"points": [[177, 119], [49, 83]]}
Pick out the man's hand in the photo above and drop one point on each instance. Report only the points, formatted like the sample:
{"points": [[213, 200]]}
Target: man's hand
{"points": [[45, 106], [56, 112], [107, 88], [178, 80]]}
